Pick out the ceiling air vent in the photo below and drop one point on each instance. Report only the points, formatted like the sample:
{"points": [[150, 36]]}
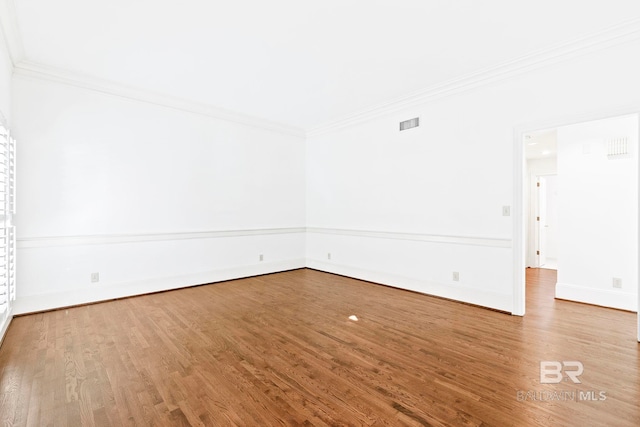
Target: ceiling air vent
{"points": [[408, 124]]}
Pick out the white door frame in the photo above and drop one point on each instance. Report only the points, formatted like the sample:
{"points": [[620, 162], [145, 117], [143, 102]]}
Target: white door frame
{"points": [[519, 193]]}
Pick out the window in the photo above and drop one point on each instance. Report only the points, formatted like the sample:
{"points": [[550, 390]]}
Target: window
{"points": [[7, 230]]}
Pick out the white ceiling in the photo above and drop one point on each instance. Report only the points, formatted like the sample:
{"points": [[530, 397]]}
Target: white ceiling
{"points": [[542, 144], [298, 62]]}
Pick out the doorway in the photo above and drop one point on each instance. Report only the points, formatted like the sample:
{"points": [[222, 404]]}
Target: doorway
{"points": [[538, 193], [541, 171]]}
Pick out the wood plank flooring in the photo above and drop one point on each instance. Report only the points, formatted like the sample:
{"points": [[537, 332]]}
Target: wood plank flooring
{"points": [[280, 350]]}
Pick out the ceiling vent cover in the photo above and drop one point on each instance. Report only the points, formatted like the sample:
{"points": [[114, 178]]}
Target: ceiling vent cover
{"points": [[409, 124]]}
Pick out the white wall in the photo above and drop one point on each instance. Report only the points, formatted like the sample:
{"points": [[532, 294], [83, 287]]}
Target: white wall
{"points": [[550, 217], [427, 202], [598, 214], [150, 197], [6, 69], [155, 198]]}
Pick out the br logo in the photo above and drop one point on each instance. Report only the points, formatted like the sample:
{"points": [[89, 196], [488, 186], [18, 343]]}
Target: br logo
{"points": [[553, 371]]}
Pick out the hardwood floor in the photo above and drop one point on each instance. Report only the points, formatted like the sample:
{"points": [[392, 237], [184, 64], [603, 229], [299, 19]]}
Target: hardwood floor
{"points": [[280, 350]]}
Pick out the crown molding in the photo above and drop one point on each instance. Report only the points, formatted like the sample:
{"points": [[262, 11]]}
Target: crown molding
{"points": [[611, 36], [34, 70], [10, 31]]}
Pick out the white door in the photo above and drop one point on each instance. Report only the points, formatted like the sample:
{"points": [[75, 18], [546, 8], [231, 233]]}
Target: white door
{"points": [[547, 224], [540, 222]]}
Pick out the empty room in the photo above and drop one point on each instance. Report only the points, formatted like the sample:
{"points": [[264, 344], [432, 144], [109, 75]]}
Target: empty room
{"points": [[409, 213]]}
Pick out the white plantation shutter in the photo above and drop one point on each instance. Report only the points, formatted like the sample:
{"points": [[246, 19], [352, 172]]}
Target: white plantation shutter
{"points": [[7, 230]]}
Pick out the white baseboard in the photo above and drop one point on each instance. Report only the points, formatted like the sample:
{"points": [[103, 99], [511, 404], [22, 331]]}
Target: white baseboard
{"points": [[601, 297], [459, 293], [5, 327], [50, 301]]}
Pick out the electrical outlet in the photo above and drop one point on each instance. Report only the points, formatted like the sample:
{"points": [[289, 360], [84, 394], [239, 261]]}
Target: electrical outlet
{"points": [[456, 276], [328, 255], [617, 282], [95, 277], [261, 257]]}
